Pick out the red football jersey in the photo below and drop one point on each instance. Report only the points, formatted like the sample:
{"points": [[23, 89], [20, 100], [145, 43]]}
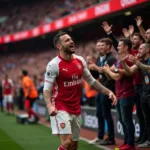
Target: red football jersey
{"points": [[67, 79], [124, 86], [7, 86]]}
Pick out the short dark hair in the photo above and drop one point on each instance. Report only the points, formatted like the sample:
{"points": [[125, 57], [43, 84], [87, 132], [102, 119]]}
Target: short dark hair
{"points": [[57, 38], [147, 45], [139, 35], [126, 42], [6, 75], [24, 72], [108, 41]]}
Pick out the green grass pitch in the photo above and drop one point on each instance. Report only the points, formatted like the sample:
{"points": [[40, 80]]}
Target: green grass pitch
{"points": [[15, 136]]}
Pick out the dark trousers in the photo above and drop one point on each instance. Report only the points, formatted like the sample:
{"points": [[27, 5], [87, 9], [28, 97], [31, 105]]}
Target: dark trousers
{"points": [[146, 112], [124, 110], [139, 111], [103, 105], [1, 103]]}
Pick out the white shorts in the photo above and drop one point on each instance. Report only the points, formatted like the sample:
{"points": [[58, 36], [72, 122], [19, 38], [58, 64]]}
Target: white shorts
{"points": [[65, 123], [8, 98]]}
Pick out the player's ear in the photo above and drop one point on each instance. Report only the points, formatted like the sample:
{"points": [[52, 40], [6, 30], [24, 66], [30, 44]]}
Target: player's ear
{"points": [[58, 46], [148, 50]]}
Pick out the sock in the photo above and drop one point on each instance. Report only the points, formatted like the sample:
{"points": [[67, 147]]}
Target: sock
{"points": [[29, 114], [7, 107], [32, 112], [61, 148], [12, 106]]}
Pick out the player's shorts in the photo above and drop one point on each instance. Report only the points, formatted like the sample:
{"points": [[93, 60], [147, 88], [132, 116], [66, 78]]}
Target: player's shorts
{"points": [[8, 98], [65, 123]]}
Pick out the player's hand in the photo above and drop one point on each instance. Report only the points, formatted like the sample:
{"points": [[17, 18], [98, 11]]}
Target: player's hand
{"points": [[107, 28], [92, 66], [138, 21], [52, 110], [132, 59], [101, 69], [106, 68], [131, 30], [126, 32], [113, 98]]}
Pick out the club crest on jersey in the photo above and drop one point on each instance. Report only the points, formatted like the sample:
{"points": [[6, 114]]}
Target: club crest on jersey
{"points": [[79, 66], [62, 125], [75, 77]]}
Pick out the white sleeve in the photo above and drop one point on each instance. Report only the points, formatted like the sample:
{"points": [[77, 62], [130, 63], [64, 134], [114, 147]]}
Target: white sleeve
{"points": [[86, 73], [50, 75], [11, 82]]}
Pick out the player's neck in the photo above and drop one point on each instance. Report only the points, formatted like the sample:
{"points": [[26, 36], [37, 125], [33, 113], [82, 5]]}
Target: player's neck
{"points": [[66, 56]]}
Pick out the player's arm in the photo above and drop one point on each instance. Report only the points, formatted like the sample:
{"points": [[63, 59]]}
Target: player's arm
{"points": [[108, 29], [139, 25], [50, 76], [112, 74], [130, 70], [143, 67], [123, 72], [96, 85]]}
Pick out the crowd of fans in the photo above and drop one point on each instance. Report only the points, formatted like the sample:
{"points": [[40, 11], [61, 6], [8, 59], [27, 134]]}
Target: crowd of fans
{"points": [[27, 16]]}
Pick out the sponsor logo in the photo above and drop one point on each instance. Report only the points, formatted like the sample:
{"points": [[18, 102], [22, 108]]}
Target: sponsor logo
{"points": [[62, 125], [65, 69], [90, 121], [48, 73], [72, 83], [136, 125], [102, 9], [125, 3]]}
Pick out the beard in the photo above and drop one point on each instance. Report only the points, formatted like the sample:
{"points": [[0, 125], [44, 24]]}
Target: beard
{"points": [[147, 40], [135, 46], [68, 50]]}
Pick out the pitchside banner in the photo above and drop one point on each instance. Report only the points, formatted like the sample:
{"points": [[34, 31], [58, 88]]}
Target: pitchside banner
{"points": [[89, 121]]}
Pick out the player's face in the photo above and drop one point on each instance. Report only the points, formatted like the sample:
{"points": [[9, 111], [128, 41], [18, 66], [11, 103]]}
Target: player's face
{"points": [[142, 51], [121, 47], [100, 48], [67, 44], [147, 36], [89, 59], [6, 77], [135, 42]]}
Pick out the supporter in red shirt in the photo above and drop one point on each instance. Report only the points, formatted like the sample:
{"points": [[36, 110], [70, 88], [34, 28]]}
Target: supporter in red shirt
{"points": [[125, 94], [66, 72], [144, 66], [137, 40]]}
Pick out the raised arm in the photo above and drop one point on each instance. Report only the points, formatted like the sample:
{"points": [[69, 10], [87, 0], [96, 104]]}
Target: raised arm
{"points": [[139, 25], [108, 29]]}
